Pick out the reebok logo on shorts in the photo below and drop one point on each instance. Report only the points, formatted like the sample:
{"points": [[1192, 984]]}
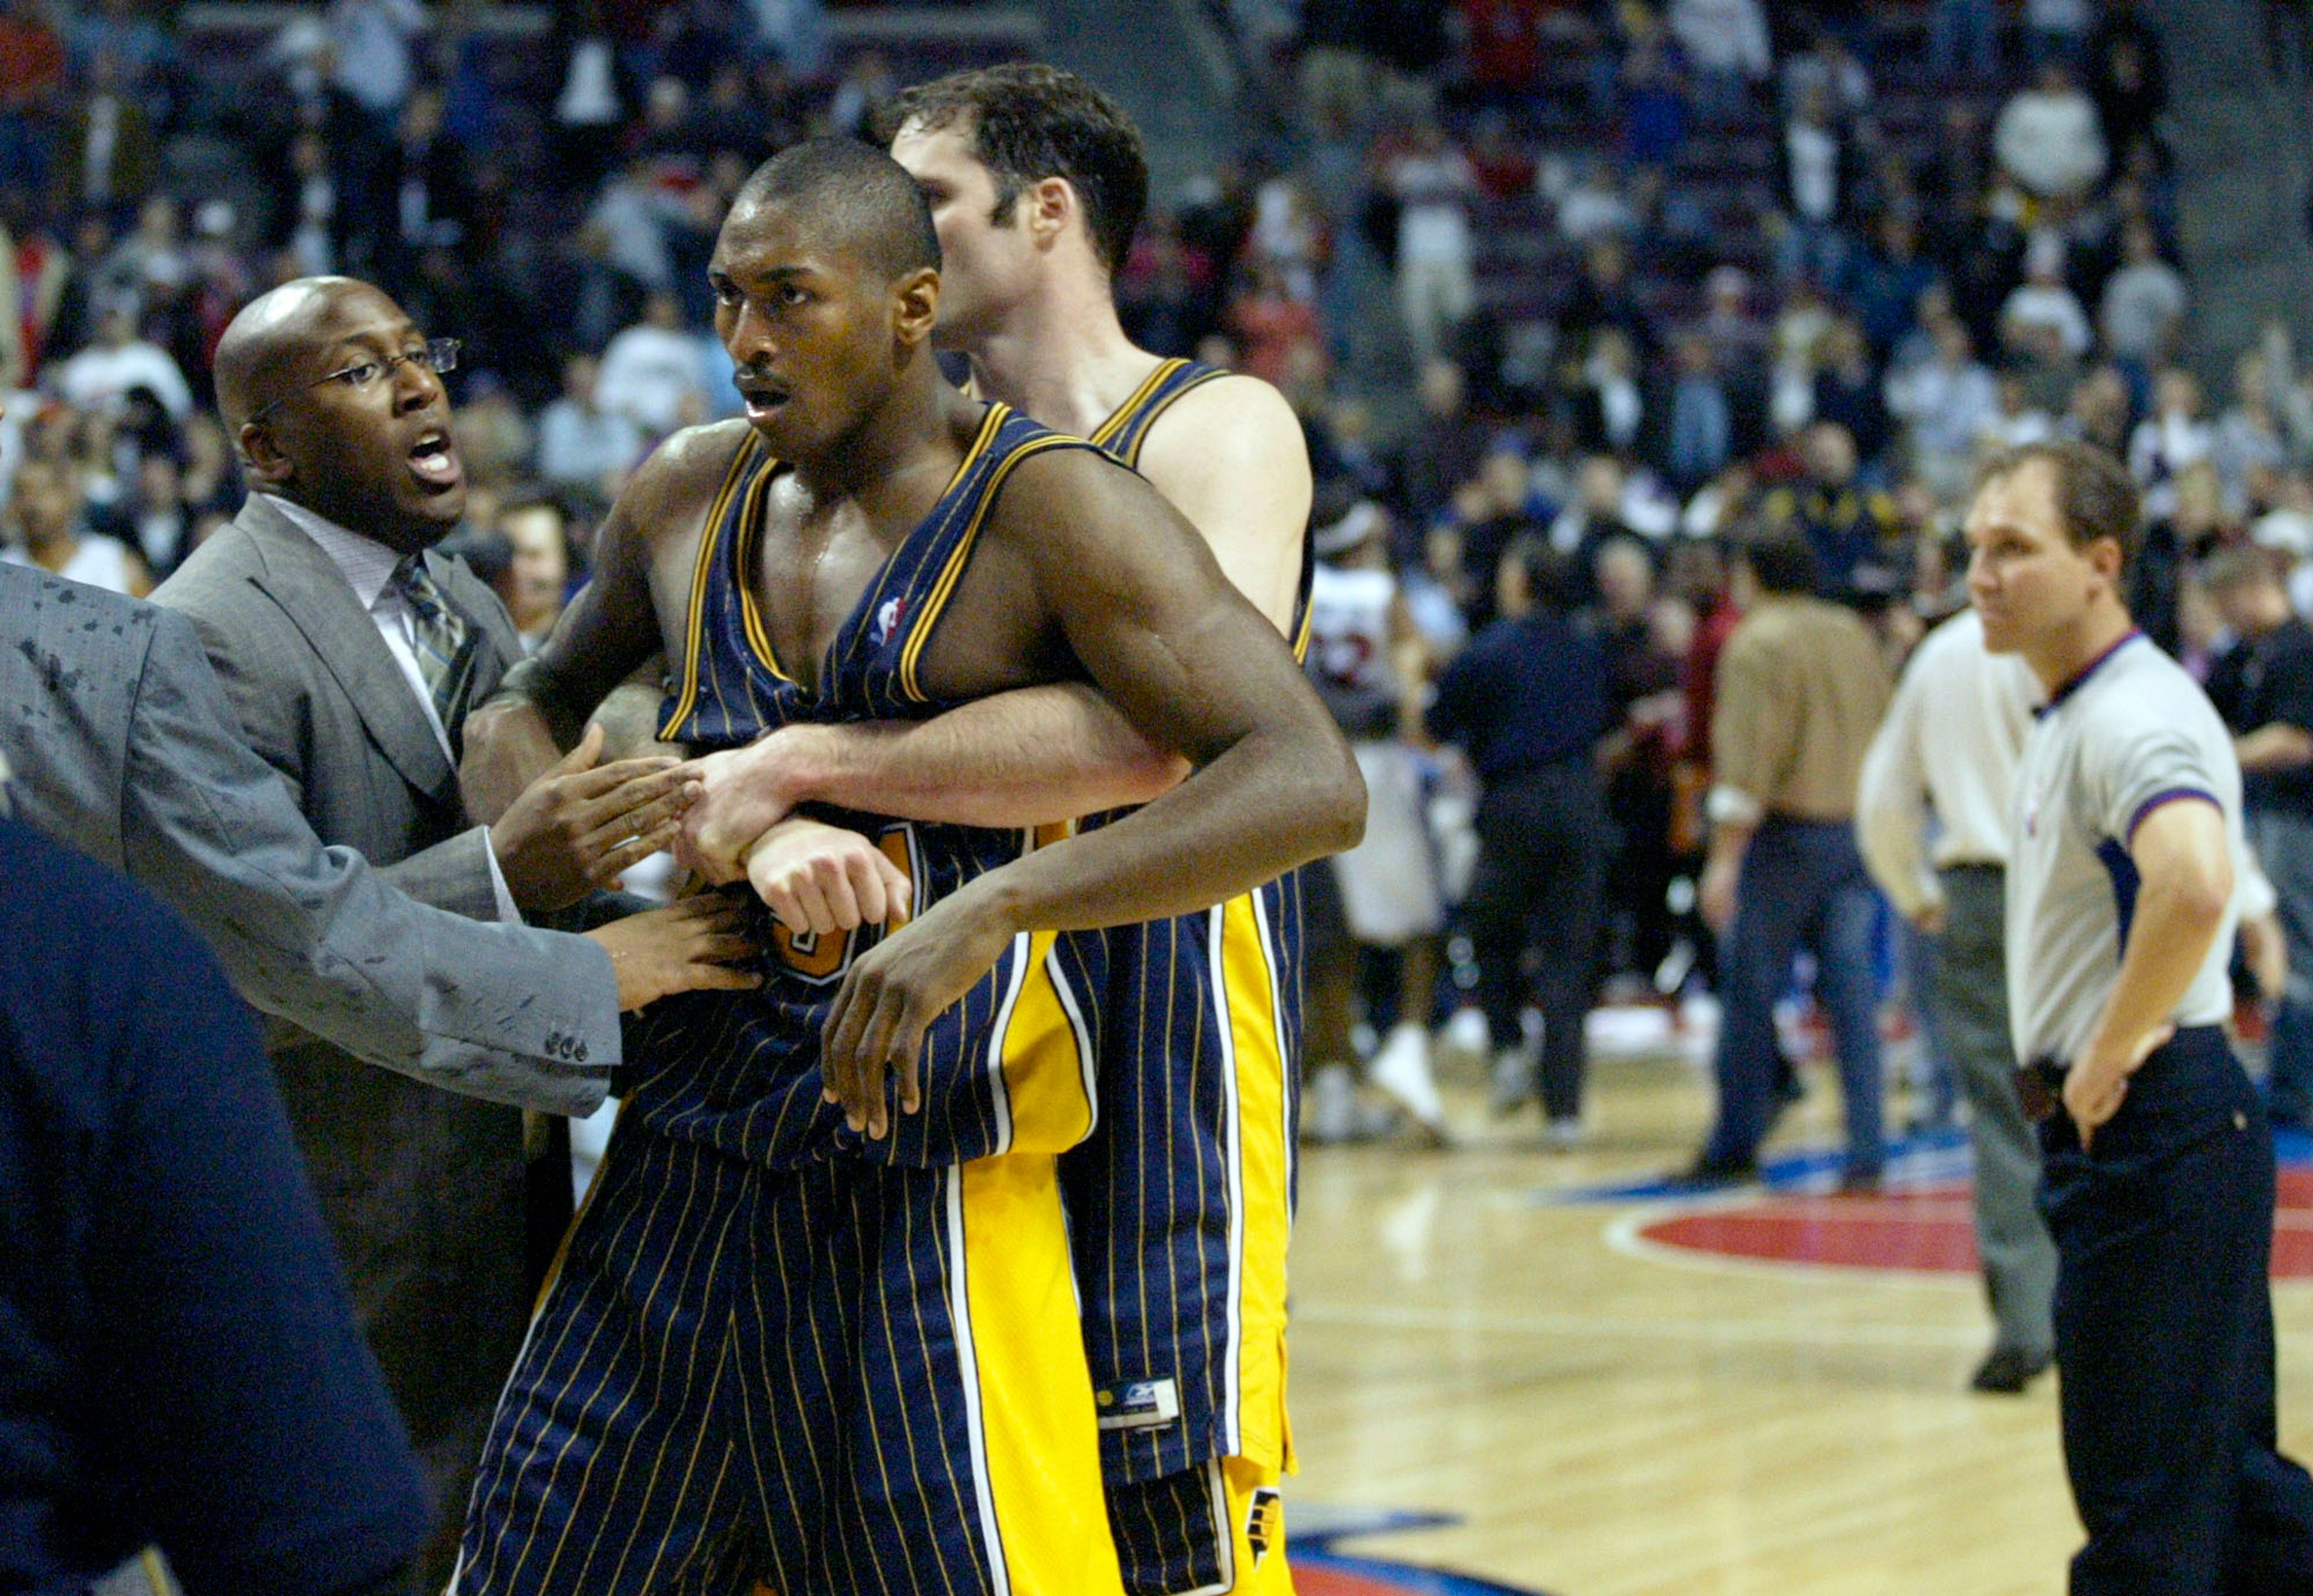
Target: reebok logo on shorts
{"points": [[1143, 1404]]}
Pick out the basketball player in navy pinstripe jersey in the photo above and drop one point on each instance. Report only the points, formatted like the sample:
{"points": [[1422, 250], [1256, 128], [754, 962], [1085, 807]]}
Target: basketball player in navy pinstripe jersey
{"points": [[839, 1351], [1182, 1201]]}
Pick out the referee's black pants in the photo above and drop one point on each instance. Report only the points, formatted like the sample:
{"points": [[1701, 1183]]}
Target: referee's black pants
{"points": [[2164, 1338]]}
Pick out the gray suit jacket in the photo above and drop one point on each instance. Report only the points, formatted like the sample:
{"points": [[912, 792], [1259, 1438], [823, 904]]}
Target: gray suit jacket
{"points": [[124, 746], [424, 1190], [323, 703]]}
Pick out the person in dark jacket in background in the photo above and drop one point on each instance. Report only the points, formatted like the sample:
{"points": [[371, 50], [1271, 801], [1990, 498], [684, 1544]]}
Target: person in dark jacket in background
{"points": [[182, 1369], [1526, 701]]}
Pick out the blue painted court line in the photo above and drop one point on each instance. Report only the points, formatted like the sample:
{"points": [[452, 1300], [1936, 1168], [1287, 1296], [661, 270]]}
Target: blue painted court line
{"points": [[1311, 1548], [1925, 1158]]}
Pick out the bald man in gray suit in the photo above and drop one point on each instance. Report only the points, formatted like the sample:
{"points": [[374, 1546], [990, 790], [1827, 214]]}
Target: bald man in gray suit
{"points": [[350, 648]]}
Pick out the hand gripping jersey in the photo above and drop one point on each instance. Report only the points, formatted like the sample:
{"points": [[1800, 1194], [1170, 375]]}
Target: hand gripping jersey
{"points": [[1006, 1069]]}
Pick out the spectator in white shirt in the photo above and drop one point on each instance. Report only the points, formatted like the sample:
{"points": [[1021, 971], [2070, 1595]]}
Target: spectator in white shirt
{"points": [[2057, 30], [101, 376], [2246, 447], [1594, 209], [1948, 403], [651, 372], [1433, 182], [579, 442], [1817, 178], [2048, 137], [2018, 422], [1727, 51], [1831, 64], [369, 40], [2044, 299], [2144, 301], [151, 260], [44, 521], [634, 215], [2171, 439]]}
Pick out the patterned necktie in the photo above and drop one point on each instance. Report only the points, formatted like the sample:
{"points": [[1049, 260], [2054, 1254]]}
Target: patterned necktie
{"points": [[445, 642]]}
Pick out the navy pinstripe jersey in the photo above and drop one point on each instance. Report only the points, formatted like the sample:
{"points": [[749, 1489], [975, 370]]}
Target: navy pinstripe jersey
{"points": [[1006, 1069], [1184, 1199]]}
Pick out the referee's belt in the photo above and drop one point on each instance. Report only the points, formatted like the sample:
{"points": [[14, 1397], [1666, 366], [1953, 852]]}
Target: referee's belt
{"points": [[2040, 1084]]}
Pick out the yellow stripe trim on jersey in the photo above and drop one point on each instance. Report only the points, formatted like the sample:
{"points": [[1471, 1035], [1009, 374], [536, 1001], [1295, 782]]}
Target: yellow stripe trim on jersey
{"points": [[750, 617], [1147, 423], [1035, 1442], [1250, 987], [991, 421], [695, 627], [1301, 637], [1121, 416], [920, 633]]}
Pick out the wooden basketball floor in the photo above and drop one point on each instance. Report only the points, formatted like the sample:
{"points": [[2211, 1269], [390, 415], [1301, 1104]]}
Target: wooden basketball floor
{"points": [[1552, 1390]]}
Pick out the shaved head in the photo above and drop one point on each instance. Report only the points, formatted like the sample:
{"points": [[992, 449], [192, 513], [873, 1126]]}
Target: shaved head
{"points": [[262, 355], [373, 451], [859, 200]]}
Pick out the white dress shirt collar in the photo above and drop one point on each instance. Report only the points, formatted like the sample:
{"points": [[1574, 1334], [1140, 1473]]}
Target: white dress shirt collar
{"points": [[367, 564]]}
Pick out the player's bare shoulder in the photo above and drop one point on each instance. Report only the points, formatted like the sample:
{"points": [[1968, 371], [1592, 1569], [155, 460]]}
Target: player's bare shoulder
{"points": [[1229, 454], [1234, 426], [671, 492]]}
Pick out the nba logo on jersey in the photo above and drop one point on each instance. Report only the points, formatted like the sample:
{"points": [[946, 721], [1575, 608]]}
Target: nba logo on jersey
{"points": [[888, 620], [1261, 1523]]}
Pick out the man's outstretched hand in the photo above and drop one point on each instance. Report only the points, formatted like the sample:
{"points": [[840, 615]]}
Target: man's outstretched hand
{"points": [[697, 945], [580, 825]]}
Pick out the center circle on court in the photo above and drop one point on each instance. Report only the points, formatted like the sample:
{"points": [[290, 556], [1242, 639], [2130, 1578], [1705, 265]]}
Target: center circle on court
{"points": [[1928, 1230]]}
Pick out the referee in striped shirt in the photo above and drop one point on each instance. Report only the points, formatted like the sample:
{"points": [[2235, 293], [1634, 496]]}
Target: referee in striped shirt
{"points": [[2158, 1168]]}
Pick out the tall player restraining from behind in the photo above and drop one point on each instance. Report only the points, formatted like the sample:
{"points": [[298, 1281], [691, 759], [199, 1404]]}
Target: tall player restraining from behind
{"points": [[1181, 1201], [839, 1351]]}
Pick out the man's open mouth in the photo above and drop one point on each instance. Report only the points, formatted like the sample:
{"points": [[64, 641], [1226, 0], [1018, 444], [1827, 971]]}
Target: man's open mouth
{"points": [[433, 460]]}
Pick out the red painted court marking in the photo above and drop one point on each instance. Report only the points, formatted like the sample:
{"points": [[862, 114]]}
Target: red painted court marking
{"points": [[1928, 1230], [1327, 1581]]}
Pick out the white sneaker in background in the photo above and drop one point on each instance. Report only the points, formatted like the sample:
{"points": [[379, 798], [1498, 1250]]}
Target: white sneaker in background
{"points": [[1564, 1136], [1462, 1040], [1402, 1068]]}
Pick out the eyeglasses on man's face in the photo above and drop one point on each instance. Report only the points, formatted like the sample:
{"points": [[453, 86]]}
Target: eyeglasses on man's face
{"points": [[436, 355]]}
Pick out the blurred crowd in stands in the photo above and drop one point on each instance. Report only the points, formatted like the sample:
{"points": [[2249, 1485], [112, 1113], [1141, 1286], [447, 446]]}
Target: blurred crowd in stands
{"points": [[1617, 279]]}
